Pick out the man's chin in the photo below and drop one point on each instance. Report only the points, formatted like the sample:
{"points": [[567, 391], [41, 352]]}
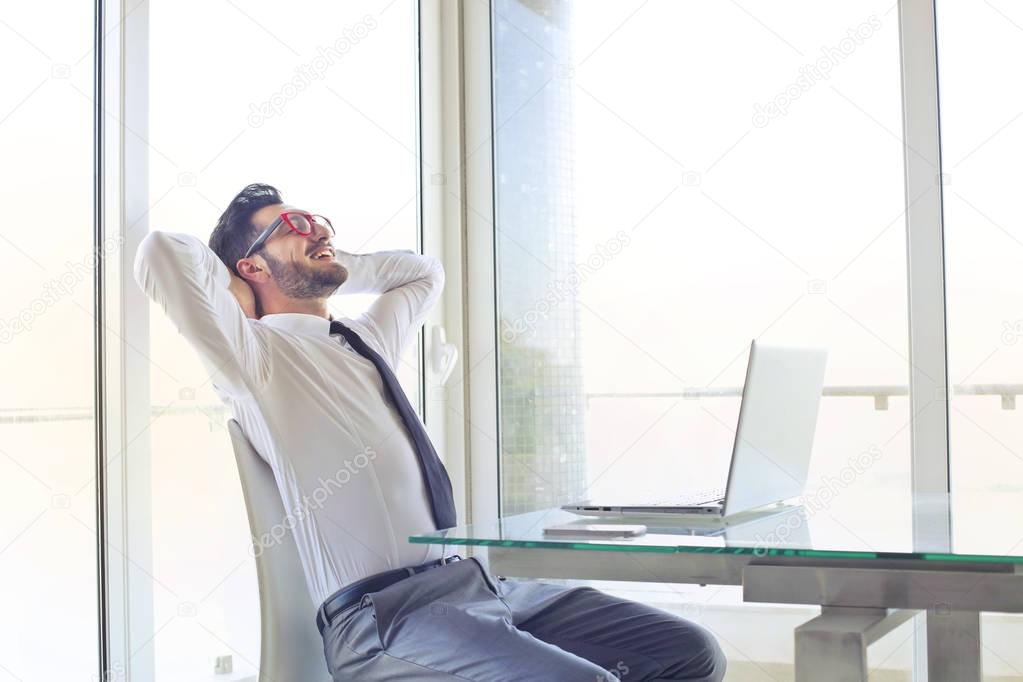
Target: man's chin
{"points": [[341, 270], [333, 275], [340, 274]]}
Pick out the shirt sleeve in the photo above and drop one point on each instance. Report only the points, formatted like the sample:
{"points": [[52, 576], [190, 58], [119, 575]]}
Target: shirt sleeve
{"points": [[409, 285], [190, 282]]}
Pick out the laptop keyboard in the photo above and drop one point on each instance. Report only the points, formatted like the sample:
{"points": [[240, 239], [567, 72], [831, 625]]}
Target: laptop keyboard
{"points": [[695, 499]]}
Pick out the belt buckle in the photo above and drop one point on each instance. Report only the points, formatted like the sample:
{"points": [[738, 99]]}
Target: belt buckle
{"points": [[443, 561]]}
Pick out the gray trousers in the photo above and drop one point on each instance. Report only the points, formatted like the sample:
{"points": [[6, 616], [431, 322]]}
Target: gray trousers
{"points": [[457, 622]]}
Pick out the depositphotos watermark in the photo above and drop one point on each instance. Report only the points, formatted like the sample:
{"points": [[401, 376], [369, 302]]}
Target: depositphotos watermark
{"points": [[560, 289], [616, 673], [115, 672], [815, 72], [819, 499], [1012, 332], [314, 500], [56, 288], [313, 70]]}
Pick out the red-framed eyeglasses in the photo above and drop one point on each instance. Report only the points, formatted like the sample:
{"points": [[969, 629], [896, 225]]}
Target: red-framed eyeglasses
{"points": [[298, 222]]}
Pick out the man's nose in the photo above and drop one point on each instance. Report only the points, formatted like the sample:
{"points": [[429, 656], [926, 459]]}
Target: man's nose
{"points": [[320, 232]]}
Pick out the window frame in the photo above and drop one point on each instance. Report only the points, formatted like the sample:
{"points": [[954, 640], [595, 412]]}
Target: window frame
{"points": [[928, 386], [478, 210], [929, 389], [124, 520]]}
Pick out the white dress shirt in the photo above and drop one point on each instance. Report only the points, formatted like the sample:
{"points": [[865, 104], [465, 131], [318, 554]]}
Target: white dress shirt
{"points": [[312, 407]]}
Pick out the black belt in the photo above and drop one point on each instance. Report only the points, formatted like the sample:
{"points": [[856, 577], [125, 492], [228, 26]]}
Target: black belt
{"points": [[351, 594]]}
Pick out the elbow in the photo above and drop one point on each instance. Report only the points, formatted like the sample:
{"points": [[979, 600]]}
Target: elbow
{"points": [[148, 256], [163, 257], [436, 272], [436, 282]]}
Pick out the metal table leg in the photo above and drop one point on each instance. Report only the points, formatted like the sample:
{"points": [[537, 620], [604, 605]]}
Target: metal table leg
{"points": [[953, 594], [953, 645], [833, 646]]}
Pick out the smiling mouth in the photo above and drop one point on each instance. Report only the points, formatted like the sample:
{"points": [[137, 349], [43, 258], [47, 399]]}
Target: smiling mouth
{"points": [[325, 253]]}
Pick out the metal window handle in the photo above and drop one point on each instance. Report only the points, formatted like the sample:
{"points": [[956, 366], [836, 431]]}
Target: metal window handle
{"points": [[443, 355]]}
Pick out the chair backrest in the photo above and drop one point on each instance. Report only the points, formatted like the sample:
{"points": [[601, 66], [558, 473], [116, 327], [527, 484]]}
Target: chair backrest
{"points": [[291, 649]]}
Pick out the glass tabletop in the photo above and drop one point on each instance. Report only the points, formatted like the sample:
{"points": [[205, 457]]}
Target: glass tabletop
{"points": [[986, 529]]}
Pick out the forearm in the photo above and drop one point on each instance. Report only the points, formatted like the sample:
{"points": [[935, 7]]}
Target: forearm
{"points": [[176, 271], [383, 271], [409, 285], [243, 293], [185, 278]]}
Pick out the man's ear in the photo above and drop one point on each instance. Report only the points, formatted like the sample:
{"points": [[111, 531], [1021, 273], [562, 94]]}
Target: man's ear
{"points": [[253, 270]]}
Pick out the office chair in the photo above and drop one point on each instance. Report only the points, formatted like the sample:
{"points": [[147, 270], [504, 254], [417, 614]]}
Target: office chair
{"points": [[291, 649]]}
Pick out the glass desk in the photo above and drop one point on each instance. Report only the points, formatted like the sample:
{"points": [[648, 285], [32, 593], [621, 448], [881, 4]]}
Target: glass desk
{"points": [[869, 570]]}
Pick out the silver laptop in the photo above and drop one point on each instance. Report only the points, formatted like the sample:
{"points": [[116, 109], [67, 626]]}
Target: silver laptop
{"points": [[773, 441]]}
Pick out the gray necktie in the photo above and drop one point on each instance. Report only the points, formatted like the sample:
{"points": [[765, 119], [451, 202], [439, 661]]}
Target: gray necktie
{"points": [[438, 484]]}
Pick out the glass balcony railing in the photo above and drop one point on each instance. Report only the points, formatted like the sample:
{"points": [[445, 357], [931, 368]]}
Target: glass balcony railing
{"points": [[880, 393]]}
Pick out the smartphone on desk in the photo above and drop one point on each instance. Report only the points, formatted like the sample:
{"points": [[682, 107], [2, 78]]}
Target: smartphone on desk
{"points": [[598, 530]]}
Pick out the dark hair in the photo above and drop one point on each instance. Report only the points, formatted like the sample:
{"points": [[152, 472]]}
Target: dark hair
{"points": [[235, 232]]}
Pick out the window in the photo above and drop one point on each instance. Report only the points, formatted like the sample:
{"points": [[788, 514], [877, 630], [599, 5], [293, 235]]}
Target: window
{"points": [[47, 420], [647, 232], [320, 101], [981, 136], [662, 197]]}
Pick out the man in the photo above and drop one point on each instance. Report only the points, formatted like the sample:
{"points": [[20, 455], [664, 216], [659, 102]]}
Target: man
{"points": [[317, 397]]}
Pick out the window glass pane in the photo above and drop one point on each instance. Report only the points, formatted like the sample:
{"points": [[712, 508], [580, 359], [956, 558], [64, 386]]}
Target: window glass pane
{"points": [[317, 99], [47, 455], [647, 233], [673, 180], [981, 135]]}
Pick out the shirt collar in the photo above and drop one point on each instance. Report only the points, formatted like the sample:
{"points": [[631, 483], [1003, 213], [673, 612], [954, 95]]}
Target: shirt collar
{"points": [[298, 323]]}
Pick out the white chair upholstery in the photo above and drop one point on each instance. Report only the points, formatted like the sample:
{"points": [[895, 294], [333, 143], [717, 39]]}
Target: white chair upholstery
{"points": [[291, 649]]}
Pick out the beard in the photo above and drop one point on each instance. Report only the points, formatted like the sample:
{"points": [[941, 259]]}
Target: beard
{"points": [[301, 280]]}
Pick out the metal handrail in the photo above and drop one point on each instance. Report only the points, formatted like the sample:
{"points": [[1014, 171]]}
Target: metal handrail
{"points": [[27, 415], [880, 394]]}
